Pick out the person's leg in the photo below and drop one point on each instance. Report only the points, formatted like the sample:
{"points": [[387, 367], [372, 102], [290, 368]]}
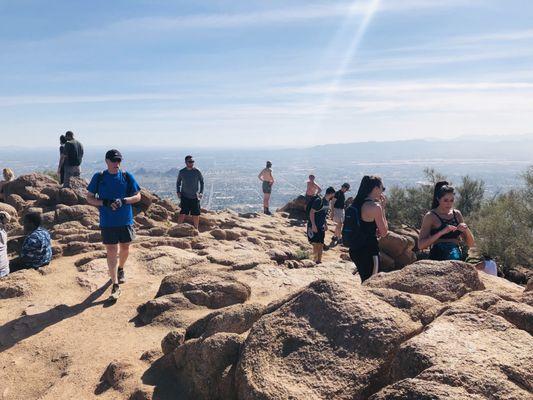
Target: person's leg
{"points": [[196, 221], [338, 229], [18, 264], [375, 265], [181, 218], [123, 254], [112, 262], [320, 249], [315, 251], [66, 178]]}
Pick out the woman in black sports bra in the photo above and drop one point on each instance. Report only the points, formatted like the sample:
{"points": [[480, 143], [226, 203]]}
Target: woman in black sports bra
{"points": [[370, 203], [443, 227]]}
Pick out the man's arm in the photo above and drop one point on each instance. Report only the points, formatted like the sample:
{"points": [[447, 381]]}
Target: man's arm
{"points": [[178, 184], [260, 176], [201, 179]]}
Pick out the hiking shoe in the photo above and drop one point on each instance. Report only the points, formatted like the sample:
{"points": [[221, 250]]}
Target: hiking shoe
{"points": [[115, 293], [121, 275]]}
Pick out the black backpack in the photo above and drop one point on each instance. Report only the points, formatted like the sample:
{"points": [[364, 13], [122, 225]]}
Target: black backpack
{"points": [[309, 205], [352, 235]]}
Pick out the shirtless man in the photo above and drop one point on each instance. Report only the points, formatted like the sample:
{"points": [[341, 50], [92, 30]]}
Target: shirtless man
{"points": [[266, 177], [312, 189]]}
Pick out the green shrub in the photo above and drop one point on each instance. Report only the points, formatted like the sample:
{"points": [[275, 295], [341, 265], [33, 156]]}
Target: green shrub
{"points": [[503, 226]]}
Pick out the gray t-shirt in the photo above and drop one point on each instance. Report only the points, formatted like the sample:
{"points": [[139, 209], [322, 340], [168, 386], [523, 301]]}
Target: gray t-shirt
{"points": [[4, 261], [190, 182]]}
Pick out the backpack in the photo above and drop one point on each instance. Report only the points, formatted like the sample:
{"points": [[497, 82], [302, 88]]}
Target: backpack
{"points": [[352, 236], [309, 205]]}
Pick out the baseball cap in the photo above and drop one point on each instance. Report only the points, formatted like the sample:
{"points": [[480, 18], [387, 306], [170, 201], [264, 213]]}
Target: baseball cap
{"points": [[113, 154]]}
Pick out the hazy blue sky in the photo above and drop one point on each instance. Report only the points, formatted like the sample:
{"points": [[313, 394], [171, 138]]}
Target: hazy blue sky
{"points": [[263, 72]]}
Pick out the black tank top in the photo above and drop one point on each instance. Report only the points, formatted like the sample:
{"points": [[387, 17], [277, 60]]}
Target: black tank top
{"points": [[369, 229], [443, 223]]}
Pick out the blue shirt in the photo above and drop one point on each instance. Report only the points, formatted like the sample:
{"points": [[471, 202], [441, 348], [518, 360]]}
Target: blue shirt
{"points": [[37, 248], [114, 186]]}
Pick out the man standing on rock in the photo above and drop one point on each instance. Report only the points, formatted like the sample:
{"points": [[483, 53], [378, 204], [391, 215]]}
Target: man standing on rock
{"points": [[317, 225], [113, 191], [337, 212], [267, 178], [71, 159], [190, 189]]}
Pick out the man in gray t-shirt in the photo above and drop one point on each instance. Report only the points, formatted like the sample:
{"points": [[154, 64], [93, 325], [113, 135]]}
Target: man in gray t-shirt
{"points": [[190, 189]]}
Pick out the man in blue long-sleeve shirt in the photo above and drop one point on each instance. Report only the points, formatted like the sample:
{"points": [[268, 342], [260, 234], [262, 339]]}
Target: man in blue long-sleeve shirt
{"points": [[190, 188]]}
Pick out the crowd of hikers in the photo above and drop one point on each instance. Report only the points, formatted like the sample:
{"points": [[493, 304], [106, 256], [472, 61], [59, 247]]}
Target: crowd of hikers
{"points": [[358, 224]]}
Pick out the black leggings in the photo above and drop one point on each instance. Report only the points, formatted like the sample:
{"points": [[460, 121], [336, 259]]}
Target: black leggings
{"points": [[364, 261]]}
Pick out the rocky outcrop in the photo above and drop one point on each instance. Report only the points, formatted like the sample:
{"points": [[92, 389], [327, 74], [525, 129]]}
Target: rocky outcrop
{"points": [[213, 290], [434, 330]]}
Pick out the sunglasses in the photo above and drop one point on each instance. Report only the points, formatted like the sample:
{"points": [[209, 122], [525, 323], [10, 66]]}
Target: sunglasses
{"points": [[116, 160], [190, 162], [383, 188]]}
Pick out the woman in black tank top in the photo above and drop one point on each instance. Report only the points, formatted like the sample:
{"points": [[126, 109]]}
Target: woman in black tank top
{"points": [[370, 203], [443, 227]]}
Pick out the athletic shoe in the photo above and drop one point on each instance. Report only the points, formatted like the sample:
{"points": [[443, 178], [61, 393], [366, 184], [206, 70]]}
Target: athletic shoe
{"points": [[121, 275], [115, 293]]}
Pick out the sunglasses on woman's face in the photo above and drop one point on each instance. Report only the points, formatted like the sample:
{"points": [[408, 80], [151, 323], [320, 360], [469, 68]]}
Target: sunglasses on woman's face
{"points": [[383, 188]]}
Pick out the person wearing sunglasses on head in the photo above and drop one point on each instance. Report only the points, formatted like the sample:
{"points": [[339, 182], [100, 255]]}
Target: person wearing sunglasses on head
{"points": [[113, 191], [190, 189], [443, 226]]}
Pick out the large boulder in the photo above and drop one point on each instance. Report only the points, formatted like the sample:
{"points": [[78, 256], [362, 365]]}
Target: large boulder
{"points": [[466, 353], [212, 290], [295, 208], [330, 341], [233, 319], [12, 211], [86, 214], [442, 280], [30, 186], [182, 230], [165, 259], [16, 201], [205, 367]]}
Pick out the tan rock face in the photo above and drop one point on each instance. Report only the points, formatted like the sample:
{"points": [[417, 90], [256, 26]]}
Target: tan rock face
{"points": [[330, 341], [442, 280], [464, 348]]}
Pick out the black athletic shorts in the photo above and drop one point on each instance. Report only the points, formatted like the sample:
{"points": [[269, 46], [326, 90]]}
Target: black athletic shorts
{"points": [[118, 234], [267, 187], [190, 206], [315, 237]]}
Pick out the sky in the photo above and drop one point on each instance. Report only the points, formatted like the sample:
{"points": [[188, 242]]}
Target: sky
{"points": [[263, 73]]}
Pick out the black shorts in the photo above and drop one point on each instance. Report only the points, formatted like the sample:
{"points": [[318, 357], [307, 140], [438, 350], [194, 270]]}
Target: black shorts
{"points": [[315, 237], [189, 206], [267, 187], [118, 234]]}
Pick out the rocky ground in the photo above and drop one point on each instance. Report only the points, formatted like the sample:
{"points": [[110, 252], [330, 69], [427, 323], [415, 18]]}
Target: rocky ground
{"points": [[238, 311]]}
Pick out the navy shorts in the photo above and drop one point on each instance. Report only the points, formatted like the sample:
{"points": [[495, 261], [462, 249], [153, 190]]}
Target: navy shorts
{"points": [[118, 234], [267, 187], [315, 237], [189, 206]]}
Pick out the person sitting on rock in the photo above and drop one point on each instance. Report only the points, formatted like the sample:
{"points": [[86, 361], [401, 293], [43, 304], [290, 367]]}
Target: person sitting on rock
{"points": [[368, 223], [8, 177], [317, 224], [37, 246], [312, 189], [443, 226], [4, 260], [267, 179], [113, 191]]}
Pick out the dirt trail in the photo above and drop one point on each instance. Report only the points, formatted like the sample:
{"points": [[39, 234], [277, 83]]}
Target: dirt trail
{"points": [[69, 335]]}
